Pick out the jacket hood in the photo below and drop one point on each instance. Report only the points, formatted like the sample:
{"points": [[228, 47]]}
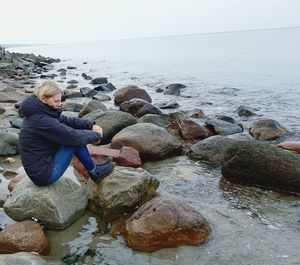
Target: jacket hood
{"points": [[32, 105]]}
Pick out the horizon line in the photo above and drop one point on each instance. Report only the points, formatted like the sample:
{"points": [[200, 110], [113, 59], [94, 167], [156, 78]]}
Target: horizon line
{"points": [[14, 45]]}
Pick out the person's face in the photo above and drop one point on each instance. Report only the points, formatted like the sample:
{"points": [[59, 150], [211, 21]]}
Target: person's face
{"points": [[54, 101]]}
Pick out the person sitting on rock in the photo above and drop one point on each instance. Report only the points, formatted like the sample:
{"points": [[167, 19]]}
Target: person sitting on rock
{"points": [[48, 140]]}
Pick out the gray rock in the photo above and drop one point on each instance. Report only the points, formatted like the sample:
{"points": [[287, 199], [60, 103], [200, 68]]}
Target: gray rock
{"points": [[72, 86], [91, 106], [151, 141], [111, 122], [139, 107], [57, 205], [9, 143], [72, 106], [72, 81], [21, 258], [88, 92], [174, 89], [121, 191], [263, 165], [212, 149], [168, 105], [222, 127], [159, 120], [102, 97], [266, 129], [109, 87], [99, 81], [245, 112]]}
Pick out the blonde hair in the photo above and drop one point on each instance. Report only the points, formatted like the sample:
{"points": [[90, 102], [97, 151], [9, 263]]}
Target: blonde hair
{"points": [[47, 89]]}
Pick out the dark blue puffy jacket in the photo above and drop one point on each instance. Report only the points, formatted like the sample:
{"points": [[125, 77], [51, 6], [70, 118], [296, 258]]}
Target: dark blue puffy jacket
{"points": [[43, 131]]}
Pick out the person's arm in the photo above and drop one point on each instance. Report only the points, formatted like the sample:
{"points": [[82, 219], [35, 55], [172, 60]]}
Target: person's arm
{"points": [[53, 130], [76, 123]]}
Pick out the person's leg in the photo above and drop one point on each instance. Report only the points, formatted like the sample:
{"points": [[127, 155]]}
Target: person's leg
{"points": [[62, 161]]}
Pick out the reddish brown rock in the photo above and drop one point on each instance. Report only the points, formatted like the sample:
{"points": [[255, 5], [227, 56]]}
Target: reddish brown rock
{"points": [[130, 92], [190, 130], [165, 223], [14, 181], [126, 157], [25, 236], [291, 146]]}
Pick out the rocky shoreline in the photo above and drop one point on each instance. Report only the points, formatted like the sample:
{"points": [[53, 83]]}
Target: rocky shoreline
{"points": [[135, 133]]}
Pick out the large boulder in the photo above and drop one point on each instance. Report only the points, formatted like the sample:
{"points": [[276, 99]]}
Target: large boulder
{"points": [[24, 236], [266, 129], [151, 141], [165, 223], [121, 191], [159, 120], [9, 143], [130, 92], [259, 164], [139, 107], [57, 205], [212, 149], [111, 122]]}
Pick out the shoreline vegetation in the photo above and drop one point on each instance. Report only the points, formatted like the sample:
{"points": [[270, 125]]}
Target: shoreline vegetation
{"points": [[137, 131]]}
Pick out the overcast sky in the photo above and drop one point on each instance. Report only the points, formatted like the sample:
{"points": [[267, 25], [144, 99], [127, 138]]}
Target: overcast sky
{"points": [[61, 21]]}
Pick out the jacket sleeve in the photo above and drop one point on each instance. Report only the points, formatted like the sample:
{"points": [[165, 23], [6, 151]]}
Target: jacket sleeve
{"points": [[76, 123], [55, 131]]}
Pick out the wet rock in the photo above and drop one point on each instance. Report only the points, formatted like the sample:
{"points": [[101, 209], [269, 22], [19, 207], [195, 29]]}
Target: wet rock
{"points": [[226, 118], [88, 92], [191, 130], [102, 97], [159, 120], [62, 70], [71, 67], [13, 83], [3, 198], [9, 143], [266, 129], [16, 122], [72, 86], [71, 94], [259, 164], [174, 89], [139, 107], [165, 223], [212, 149], [109, 87], [111, 122], [130, 92], [91, 106], [25, 236], [47, 76], [15, 180], [72, 82], [151, 141], [121, 191], [86, 77], [50, 204], [24, 258], [195, 114], [293, 146], [7, 68], [72, 106], [222, 127], [159, 90], [245, 112], [99, 81], [168, 105], [126, 157]]}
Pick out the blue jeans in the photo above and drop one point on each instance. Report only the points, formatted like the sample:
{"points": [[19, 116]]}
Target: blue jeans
{"points": [[63, 157]]}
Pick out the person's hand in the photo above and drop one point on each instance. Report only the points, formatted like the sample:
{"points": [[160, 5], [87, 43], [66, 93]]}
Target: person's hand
{"points": [[97, 129]]}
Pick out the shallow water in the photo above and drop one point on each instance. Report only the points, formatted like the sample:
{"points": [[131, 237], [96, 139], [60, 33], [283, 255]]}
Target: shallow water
{"points": [[259, 69]]}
